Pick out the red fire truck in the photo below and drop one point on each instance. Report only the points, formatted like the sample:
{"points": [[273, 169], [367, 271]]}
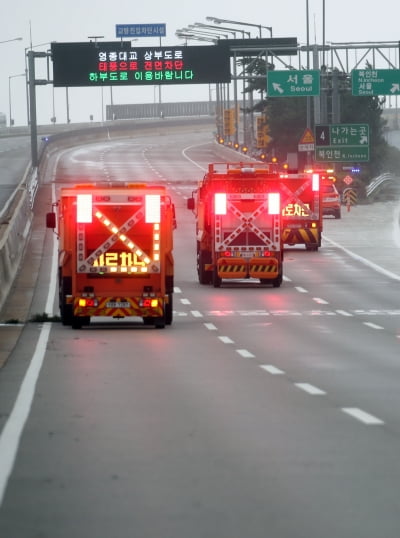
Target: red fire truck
{"points": [[238, 224], [115, 252]]}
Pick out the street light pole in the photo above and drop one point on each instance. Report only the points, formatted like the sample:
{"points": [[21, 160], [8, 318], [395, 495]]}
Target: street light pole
{"points": [[230, 30], [192, 28], [28, 119], [32, 101], [182, 34], [9, 96], [14, 39], [216, 20]]}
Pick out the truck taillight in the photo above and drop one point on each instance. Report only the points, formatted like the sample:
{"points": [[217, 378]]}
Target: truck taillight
{"points": [[88, 302], [152, 208], [274, 203], [220, 203], [84, 208], [315, 182], [149, 302]]}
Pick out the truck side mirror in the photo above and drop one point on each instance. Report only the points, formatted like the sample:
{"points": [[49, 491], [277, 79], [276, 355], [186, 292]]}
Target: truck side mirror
{"points": [[51, 220], [190, 203]]}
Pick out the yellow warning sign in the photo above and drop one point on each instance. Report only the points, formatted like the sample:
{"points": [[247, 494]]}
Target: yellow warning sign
{"points": [[307, 138], [307, 141]]}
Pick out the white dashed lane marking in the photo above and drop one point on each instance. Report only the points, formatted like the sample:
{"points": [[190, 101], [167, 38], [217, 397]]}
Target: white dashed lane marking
{"points": [[246, 354], [272, 369], [362, 416], [300, 289], [226, 339], [319, 300], [310, 389], [372, 325], [354, 412]]}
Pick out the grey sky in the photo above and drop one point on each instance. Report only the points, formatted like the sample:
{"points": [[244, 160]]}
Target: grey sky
{"points": [[75, 20]]}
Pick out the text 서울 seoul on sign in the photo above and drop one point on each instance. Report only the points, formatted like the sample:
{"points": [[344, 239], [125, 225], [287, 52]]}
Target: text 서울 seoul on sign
{"points": [[290, 83], [342, 142], [140, 30], [118, 63]]}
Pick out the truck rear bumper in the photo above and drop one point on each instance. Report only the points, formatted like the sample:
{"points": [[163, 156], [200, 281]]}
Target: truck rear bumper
{"points": [[262, 268], [301, 236], [120, 307]]}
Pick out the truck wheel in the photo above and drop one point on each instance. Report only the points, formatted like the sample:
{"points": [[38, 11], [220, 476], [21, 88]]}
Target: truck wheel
{"points": [[78, 321], [65, 309], [216, 280], [169, 310], [276, 283], [203, 257], [159, 323]]}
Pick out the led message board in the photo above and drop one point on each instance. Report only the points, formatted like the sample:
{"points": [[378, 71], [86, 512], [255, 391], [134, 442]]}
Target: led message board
{"points": [[121, 64]]}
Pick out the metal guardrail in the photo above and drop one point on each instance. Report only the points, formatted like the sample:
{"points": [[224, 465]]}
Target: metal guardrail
{"points": [[32, 187], [380, 180]]}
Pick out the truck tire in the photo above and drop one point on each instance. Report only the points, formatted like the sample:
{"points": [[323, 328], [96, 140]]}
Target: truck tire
{"points": [[159, 323], [216, 280], [65, 288], [169, 310], [76, 322], [79, 321], [204, 257], [276, 283]]}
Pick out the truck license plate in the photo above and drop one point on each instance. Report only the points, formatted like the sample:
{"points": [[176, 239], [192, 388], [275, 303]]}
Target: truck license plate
{"points": [[118, 304]]}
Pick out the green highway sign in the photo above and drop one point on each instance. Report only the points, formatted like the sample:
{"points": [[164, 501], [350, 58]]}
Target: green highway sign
{"points": [[290, 83], [365, 82], [341, 155], [342, 142]]}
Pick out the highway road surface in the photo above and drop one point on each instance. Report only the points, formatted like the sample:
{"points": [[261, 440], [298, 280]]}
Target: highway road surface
{"points": [[260, 412]]}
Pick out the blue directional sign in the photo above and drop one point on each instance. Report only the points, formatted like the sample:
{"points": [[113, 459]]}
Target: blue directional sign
{"points": [[140, 30]]}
